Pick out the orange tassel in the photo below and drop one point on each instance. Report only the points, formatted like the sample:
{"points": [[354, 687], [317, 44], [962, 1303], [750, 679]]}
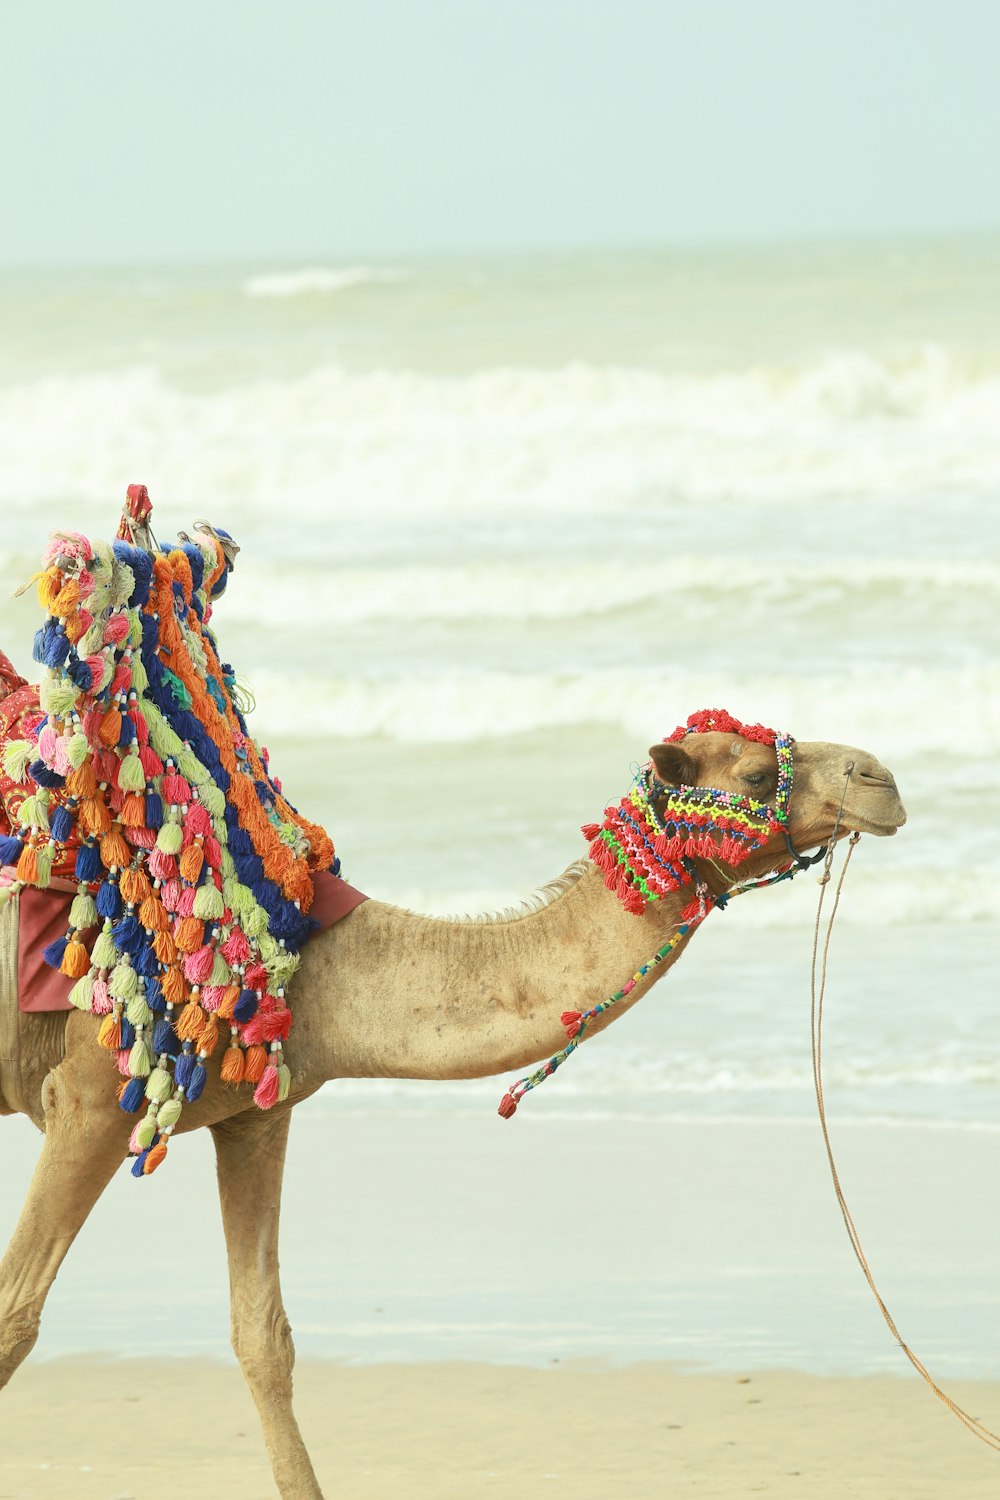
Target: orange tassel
{"points": [[110, 1033], [27, 865], [82, 782], [163, 943], [173, 986], [208, 1036], [135, 887], [189, 934], [66, 600], [254, 1063], [114, 850], [133, 813], [76, 960], [232, 1065], [152, 915], [49, 585], [227, 1004], [191, 862], [111, 728], [190, 1022], [76, 626], [157, 1154], [93, 816]]}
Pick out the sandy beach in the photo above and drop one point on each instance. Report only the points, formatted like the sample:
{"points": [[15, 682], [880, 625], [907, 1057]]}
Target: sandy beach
{"points": [[455, 1431]]}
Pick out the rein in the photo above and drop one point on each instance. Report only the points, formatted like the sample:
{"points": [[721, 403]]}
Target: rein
{"points": [[817, 995]]}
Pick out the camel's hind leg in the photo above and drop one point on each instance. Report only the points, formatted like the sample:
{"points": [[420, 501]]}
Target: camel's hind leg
{"points": [[83, 1148], [250, 1151]]}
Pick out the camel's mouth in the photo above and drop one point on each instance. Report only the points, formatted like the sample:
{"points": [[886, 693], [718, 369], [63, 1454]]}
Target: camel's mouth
{"points": [[884, 826]]}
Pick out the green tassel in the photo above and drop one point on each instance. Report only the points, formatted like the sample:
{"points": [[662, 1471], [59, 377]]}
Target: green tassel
{"points": [[131, 776], [77, 750], [105, 954], [254, 922], [170, 838], [43, 861], [221, 972], [134, 628], [146, 1129], [139, 1059], [83, 912], [208, 904], [17, 757], [169, 1113], [140, 680], [124, 981], [159, 1085], [137, 1009], [191, 767], [34, 810], [58, 696], [82, 992], [284, 1081], [214, 800]]}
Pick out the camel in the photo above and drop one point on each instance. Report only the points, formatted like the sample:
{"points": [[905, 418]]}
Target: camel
{"points": [[391, 994]]}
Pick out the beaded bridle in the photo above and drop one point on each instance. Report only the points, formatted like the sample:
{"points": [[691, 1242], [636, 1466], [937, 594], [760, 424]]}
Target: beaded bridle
{"points": [[647, 844]]}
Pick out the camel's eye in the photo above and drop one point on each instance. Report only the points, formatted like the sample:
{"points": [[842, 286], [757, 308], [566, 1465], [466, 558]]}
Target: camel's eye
{"points": [[755, 778]]}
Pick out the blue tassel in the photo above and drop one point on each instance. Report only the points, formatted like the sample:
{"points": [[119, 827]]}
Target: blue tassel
{"points": [[139, 1162], [88, 863], [154, 995], [165, 1038], [154, 810], [266, 893], [10, 849], [128, 1034], [109, 901], [335, 867], [43, 775], [79, 673], [183, 1070], [128, 935], [150, 634], [38, 645], [197, 1084], [246, 1006], [127, 734], [146, 963], [53, 952], [135, 1090], [61, 823]]}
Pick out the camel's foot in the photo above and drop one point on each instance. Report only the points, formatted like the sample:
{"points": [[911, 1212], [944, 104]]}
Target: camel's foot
{"points": [[18, 1336]]}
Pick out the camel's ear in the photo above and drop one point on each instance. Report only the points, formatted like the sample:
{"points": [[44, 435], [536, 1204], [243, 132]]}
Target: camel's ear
{"points": [[673, 765]]}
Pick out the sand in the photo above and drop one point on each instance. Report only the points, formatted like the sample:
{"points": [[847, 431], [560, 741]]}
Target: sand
{"points": [[73, 1430]]}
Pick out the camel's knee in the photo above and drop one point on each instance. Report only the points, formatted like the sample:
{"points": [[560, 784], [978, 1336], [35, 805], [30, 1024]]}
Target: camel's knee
{"points": [[263, 1345], [18, 1336]]}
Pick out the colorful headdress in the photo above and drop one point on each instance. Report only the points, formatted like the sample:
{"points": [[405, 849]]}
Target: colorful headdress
{"points": [[647, 841], [192, 869]]}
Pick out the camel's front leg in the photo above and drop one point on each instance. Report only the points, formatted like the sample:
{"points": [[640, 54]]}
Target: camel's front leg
{"points": [[250, 1150], [86, 1139]]}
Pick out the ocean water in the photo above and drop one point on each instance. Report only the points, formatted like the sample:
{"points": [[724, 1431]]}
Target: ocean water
{"points": [[507, 521]]}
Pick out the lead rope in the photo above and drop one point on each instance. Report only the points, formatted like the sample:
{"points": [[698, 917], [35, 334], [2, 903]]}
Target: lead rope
{"points": [[985, 1435]]}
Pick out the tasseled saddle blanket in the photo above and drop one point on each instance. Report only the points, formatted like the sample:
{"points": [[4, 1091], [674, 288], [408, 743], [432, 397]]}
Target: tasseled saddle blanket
{"points": [[157, 862]]}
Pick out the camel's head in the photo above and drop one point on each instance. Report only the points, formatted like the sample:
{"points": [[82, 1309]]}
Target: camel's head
{"points": [[722, 802]]}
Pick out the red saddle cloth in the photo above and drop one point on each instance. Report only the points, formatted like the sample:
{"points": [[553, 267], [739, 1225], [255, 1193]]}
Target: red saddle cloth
{"points": [[44, 915]]}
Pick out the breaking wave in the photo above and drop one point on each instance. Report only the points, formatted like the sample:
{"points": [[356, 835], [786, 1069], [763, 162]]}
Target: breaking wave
{"points": [[319, 279]]}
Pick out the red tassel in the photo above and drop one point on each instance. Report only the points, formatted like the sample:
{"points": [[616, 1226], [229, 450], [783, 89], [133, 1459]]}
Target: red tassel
{"points": [[265, 1095], [590, 831], [571, 1022], [634, 901], [508, 1104]]}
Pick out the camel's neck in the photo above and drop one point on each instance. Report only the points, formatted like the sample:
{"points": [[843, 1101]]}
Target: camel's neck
{"points": [[390, 994]]}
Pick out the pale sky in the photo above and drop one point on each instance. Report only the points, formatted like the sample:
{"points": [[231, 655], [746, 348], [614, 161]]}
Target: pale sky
{"points": [[309, 129]]}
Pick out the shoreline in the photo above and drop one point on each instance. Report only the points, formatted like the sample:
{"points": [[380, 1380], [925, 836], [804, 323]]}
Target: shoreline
{"points": [[453, 1431]]}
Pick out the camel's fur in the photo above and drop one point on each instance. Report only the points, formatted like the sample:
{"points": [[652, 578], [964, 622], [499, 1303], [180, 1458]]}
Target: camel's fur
{"points": [[384, 994]]}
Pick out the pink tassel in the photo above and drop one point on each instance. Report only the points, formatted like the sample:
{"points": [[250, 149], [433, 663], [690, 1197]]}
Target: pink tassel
{"points": [[60, 760], [133, 1140], [175, 788], [236, 949], [198, 966], [47, 744], [266, 1092], [141, 838], [170, 894], [101, 1003], [123, 1067], [115, 630], [253, 1031], [197, 820], [212, 996], [162, 866], [151, 762], [185, 901]]}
